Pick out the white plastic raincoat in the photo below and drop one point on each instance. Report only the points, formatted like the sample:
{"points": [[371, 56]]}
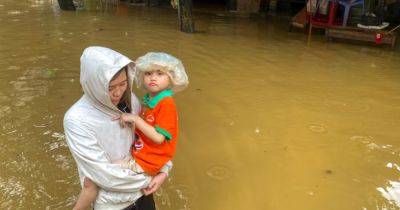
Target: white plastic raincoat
{"points": [[95, 139]]}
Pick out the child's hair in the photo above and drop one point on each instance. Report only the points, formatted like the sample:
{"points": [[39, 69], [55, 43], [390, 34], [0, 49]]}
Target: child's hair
{"points": [[164, 62]]}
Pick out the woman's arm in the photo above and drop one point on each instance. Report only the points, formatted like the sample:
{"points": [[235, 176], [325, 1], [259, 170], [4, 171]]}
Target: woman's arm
{"points": [[92, 161]]}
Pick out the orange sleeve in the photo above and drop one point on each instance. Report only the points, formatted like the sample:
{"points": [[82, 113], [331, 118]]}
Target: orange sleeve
{"points": [[166, 122]]}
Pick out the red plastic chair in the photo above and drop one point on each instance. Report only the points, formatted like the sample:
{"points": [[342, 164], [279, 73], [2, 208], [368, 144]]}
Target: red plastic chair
{"points": [[318, 20]]}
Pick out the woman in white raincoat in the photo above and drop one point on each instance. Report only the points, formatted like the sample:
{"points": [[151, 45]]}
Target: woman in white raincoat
{"points": [[95, 140]]}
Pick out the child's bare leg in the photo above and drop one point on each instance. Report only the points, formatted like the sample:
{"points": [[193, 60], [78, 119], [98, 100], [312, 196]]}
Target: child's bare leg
{"points": [[88, 195]]}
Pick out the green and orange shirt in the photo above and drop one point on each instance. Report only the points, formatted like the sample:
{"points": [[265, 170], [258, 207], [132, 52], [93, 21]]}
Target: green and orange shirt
{"points": [[159, 112]]}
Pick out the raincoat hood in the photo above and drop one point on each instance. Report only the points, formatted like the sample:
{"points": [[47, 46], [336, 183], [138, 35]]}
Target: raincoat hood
{"points": [[98, 66]]}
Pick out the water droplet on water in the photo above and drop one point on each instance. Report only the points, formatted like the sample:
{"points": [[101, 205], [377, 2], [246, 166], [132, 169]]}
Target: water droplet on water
{"points": [[317, 128], [219, 172]]}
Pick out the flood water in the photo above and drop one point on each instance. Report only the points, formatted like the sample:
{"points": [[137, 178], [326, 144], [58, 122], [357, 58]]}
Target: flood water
{"points": [[266, 123]]}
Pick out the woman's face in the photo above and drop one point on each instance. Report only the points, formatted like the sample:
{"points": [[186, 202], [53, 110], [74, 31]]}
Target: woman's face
{"points": [[117, 88]]}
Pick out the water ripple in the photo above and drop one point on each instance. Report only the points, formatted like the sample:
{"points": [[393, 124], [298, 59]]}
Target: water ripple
{"points": [[219, 172], [176, 196], [391, 192], [12, 191], [317, 128], [370, 143], [349, 106], [14, 12], [4, 111]]}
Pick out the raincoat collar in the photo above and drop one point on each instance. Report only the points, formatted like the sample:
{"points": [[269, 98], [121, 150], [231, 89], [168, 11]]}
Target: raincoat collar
{"points": [[152, 102]]}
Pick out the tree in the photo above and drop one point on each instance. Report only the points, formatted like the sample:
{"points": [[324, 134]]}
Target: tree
{"points": [[186, 23], [66, 4]]}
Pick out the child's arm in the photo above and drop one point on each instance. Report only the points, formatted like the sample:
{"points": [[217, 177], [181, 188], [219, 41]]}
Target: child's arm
{"points": [[142, 125]]}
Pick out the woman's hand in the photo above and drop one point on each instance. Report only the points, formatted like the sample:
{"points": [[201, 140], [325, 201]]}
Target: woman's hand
{"points": [[155, 183]]}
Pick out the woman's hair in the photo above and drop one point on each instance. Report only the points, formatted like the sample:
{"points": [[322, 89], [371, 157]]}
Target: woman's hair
{"points": [[126, 97]]}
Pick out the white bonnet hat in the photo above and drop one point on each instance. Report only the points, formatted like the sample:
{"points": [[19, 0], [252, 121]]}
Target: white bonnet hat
{"points": [[162, 61]]}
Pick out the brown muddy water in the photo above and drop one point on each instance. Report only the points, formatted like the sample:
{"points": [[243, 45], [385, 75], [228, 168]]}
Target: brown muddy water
{"points": [[267, 122]]}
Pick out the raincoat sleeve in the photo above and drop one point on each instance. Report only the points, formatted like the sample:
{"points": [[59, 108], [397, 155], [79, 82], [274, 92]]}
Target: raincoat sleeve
{"points": [[94, 164]]}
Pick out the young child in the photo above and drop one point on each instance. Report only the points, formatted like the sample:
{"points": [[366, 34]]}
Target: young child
{"points": [[160, 75]]}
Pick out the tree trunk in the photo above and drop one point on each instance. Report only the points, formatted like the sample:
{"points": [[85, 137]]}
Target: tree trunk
{"points": [[231, 5], [248, 6], [153, 3], [264, 5], [66, 4], [185, 16]]}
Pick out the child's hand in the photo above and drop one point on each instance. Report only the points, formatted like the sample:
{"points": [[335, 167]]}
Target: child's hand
{"points": [[125, 118]]}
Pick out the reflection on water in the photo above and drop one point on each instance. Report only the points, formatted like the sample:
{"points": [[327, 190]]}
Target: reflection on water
{"points": [[267, 122], [391, 193], [176, 196]]}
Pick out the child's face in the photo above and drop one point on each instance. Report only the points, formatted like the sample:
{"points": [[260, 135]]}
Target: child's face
{"points": [[156, 81]]}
